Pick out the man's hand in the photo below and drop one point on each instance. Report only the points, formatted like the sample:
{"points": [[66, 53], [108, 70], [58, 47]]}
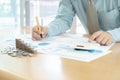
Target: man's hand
{"points": [[101, 37], [36, 33]]}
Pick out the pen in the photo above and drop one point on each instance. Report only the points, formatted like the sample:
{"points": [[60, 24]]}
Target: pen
{"points": [[81, 48], [38, 25], [89, 50]]}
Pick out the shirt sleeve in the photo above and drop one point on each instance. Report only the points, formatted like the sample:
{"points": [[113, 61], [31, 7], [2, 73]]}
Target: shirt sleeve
{"points": [[115, 33], [63, 20]]}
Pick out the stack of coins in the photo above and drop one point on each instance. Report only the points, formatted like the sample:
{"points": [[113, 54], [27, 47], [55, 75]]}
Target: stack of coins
{"points": [[12, 51]]}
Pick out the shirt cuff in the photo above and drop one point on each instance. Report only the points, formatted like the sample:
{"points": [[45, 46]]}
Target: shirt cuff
{"points": [[51, 31], [115, 35]]}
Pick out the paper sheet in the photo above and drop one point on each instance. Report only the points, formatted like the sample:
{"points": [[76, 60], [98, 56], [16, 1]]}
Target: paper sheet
{"points": [[60, 45]]}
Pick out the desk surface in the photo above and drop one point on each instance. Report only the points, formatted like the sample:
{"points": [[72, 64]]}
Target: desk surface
{"points": [[51, 67]]}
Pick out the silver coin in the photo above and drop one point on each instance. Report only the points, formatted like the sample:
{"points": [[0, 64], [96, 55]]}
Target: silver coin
{"points": [[15, 50], [13, 55], [30, 54], [10, 52], [25, 54]]}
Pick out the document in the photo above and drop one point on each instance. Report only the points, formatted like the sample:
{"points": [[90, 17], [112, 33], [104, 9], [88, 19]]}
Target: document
{"points": [[65, 46]]}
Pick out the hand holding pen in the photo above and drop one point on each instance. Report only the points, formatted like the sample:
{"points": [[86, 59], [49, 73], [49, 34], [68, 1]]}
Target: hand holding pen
{"points": [[39, 32], [39, 27]]}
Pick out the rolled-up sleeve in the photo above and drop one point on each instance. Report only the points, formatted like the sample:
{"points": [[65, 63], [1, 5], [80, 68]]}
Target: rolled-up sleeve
{"points": [[63, 20], [115, 33]]}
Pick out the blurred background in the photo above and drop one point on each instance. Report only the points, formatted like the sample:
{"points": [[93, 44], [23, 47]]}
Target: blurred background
{"points": [[19, 13]]}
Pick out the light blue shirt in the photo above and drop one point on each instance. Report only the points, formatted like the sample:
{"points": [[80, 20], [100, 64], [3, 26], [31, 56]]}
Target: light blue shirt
{"points": [[108, 15]]}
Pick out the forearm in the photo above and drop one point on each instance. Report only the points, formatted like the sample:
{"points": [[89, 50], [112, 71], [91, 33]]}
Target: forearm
{"points": [[57, 27], [63, 19]]}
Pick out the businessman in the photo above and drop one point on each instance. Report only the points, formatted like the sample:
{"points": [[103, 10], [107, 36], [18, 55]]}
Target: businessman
{"points": [[100, 18]]}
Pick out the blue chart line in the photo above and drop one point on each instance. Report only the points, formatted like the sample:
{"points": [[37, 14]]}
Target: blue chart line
{"points": [[43, 43], [89, 50], [95, 51]]}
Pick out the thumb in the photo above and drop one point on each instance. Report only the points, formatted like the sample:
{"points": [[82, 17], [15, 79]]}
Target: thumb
{"points": [[95, 35]]}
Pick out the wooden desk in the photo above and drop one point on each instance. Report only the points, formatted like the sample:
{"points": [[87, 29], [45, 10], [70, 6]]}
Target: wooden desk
{"points": [[50, 67]]}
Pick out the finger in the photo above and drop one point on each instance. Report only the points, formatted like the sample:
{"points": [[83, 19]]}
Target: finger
{"points": [[43, 35], [104, 41], [44, 32], [109, 42], [36, 36], [95, 35], [35, 29], [100, 39], [33, 39]]}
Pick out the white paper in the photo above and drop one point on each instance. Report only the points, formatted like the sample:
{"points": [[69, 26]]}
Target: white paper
{"points": [[60, 45]]}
